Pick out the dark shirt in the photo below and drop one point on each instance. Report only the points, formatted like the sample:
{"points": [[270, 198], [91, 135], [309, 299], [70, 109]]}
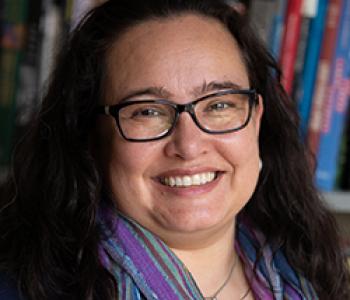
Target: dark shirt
{"points": [[8, 288]]}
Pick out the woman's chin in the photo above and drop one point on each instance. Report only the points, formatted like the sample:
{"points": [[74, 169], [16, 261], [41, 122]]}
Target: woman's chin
{"points": [[192, 223]]}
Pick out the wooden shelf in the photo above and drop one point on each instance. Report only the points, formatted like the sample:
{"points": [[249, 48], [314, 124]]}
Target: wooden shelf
{"points": [[339, 202]]}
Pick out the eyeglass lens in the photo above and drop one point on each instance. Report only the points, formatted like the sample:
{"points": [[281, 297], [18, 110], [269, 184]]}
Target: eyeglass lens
{"points": [[151, 120]]}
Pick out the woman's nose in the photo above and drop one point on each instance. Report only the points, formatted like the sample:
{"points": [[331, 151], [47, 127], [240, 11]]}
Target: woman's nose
{"points": [[187, 140]]}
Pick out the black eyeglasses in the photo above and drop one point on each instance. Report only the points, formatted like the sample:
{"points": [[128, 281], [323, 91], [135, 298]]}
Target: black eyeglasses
{"points": [[149, 120]]}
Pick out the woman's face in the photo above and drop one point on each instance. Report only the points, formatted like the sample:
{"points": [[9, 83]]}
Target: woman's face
{"points": [[182, 58]]}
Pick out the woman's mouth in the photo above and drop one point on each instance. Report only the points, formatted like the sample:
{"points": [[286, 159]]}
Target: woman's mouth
{"points": [[189, 180]]}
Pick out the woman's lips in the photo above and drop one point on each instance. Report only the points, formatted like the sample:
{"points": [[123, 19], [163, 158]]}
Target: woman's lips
{"points": [[189, 180], [190, 185]]}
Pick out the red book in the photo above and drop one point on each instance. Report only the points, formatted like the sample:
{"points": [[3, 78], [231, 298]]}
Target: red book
{"points": [[290, 42], [321, 91]]}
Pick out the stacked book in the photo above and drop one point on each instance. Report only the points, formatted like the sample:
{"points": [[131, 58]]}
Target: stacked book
{"points": [[311, 41]]}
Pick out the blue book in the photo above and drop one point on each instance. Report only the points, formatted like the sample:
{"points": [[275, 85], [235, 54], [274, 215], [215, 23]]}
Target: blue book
{"points": [[276, 32], [312, 55], [337, 104]]}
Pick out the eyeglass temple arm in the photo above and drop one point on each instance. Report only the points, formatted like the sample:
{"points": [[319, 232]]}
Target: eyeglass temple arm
{"points": [[103, 109]]}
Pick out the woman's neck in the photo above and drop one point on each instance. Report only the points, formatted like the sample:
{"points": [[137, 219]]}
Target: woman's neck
{"points": [[211, 265]]}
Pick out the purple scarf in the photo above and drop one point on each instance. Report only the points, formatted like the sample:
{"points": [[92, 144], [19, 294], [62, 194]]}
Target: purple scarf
{"points": [[145, 268]]}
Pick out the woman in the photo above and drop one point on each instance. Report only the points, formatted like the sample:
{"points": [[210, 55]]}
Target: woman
{"points": [[165, 163]]}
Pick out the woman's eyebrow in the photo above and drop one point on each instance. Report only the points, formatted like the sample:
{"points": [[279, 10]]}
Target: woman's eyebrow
{"points": [[214, 86], [154, 91], [162, 92]]}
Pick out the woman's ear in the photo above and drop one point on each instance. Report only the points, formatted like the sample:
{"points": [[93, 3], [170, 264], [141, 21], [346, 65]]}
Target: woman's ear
{"points": [[258, 113]]}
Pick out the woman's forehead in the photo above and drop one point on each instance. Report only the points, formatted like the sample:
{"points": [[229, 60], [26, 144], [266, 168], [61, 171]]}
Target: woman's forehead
{"points": [[177, 54]]}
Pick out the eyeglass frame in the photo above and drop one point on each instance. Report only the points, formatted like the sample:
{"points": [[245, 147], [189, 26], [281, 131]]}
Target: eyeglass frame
{"points": [[113, 110]]}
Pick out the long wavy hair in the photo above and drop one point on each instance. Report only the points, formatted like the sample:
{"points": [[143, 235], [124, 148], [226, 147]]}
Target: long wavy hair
{"points": [[49, 232]]}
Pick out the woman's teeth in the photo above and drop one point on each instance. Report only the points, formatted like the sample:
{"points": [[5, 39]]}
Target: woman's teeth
{"points": [[189, 180]]}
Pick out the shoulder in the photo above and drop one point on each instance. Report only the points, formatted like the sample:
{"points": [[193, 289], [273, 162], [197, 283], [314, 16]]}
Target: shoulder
{"points": [[8, 288]]}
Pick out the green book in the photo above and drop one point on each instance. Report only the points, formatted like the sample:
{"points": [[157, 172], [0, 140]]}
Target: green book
{"points": [[11, 46]]}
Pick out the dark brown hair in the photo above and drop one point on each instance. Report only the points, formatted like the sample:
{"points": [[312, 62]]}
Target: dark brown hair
{"points": [[48, 228]]}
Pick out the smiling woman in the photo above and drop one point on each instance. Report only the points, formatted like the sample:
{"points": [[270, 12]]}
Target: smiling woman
{"points": [[178, 55], [165, 163]]}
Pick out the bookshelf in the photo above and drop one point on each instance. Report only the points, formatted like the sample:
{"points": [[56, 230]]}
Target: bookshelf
{"points": [[338, 202], [322, 37]]}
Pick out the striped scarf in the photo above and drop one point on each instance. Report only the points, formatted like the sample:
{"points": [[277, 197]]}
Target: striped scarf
{"points": [[145, 268]]}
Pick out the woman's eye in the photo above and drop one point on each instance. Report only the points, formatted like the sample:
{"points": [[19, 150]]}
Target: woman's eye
{"points": [[220, 106], [150, 112]]}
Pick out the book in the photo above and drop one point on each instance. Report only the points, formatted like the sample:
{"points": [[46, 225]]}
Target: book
{"points": [[336, 105], [67, 19], [277, 28], [52, 27], [290, 42], [306, 84], [261, 14], [323, 74], [79, 9], [308, 14], [1, 16], [14, 18], [27, 97]]}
